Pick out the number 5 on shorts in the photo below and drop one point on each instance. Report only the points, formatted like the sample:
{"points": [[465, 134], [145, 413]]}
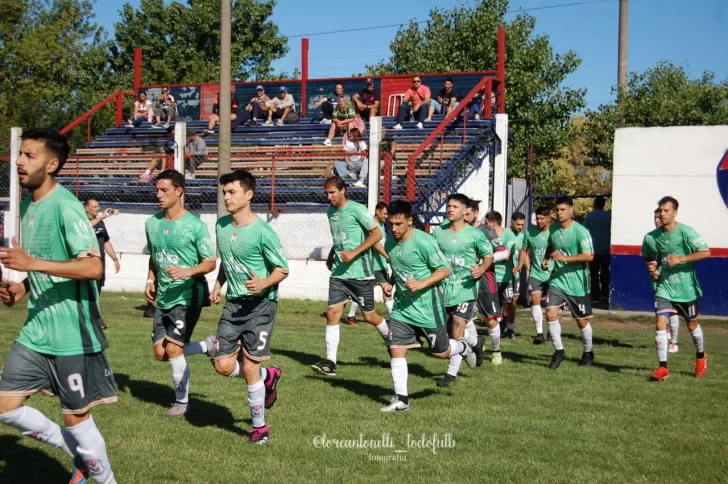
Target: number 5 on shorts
{"points": [[263, 340], [75, 383]]}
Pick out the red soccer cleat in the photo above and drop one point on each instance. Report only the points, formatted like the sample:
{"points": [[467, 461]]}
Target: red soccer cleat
{"points": [[701, 366], [661, 373]]}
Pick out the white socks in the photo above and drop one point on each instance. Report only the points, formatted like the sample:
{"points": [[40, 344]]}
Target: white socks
{"points": [[31, 423], [180, 378], [383, 329], [399, 375], [454, 366], [457, 347], [537, 314], [352, 310], [390, 304], [661, 345], [471, 334], [238, 372], [495, 337], [92, 449], [195, 348], [586, 338], [332, 341], [555, 334], [674, 327], [256, 401], [698, 341]]}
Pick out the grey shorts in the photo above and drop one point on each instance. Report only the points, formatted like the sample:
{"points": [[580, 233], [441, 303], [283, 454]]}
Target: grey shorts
{"points": [[249, 322], [404, 335], [79, 381], [488, 301], [381, 277], [534, 285], [506, 291], [359, 290], [175, 324], [465, 310], [580, 306], [688, 310]]}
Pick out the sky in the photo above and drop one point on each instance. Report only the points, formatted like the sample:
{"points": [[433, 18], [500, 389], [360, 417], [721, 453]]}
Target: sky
{"points": [[689, 33]]}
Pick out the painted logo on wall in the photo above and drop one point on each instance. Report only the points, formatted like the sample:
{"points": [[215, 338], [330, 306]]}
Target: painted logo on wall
{"points": [[722, 175]]}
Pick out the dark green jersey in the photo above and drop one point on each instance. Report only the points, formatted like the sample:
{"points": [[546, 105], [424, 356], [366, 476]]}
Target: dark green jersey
{"points": [[571, 278], [380, 262], [504, 268], [535, 241]]}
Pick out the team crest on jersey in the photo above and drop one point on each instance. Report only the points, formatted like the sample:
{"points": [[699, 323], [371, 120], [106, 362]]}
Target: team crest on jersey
{"points": [[454, 240], [234, 237], [166, 231], [399, 251], [32, 221]]}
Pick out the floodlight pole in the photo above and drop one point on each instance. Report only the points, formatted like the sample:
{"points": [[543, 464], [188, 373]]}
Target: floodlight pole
{"points": [[223, 153]]}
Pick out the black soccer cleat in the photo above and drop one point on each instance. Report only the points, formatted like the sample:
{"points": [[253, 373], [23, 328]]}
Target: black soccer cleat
{"points": [[539, 339], [509, 334], [447, 381], [587, 359], [556, 359], [479, 353], [325, 367]]}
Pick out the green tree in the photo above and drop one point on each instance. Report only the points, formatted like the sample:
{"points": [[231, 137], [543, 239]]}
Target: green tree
{"points": [[181, 43], [465, 39]]}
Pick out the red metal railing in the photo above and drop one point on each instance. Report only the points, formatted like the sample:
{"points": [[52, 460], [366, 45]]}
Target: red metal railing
{"points": [[118, 97]]}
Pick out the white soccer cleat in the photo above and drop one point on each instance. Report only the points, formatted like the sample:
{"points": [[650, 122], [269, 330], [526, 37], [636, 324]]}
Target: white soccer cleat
{"points": [[497, 358], [470, 357], [396, 406]]}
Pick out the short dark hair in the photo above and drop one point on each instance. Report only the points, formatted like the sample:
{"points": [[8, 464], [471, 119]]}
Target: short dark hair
{"points": [[449, 79], [565, 200], [459, 197], [400, 207], [339, 84], [176, 178], [243, 177], [657, 210], [669, 199], [335, 181], [517, 216], [54, 142], [494, 216], [474, 205], [543, 211], [381, 205], [142, 92], [600, 202]]}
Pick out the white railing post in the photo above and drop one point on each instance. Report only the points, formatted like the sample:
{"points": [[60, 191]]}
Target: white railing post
{"points": [[180, 136], [375, 138], [12, 217], [500, 169]]}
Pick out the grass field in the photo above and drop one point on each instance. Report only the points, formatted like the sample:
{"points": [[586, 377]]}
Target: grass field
{"points": [[518, 422]]}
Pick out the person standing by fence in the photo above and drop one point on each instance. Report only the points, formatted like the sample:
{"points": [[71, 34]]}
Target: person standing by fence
{"points": [[599, 223]]}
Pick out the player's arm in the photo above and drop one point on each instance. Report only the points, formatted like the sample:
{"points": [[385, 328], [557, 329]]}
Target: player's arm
{"points": [[219, 282], [375, 235], [434, 278], [274, 257], [484, 249], [573, 259], [12, 292], [380, 249], [523, 261], [649, 255], [330, 259], [86, 266]]}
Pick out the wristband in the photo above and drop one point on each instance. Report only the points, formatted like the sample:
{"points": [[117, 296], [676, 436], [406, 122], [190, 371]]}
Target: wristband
{"points": [[26, 285], [150, 281]]}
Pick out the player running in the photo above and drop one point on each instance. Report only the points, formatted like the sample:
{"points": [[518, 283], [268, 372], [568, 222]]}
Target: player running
{"points": [[253, 265], [670, 252], [535, 242], [570, 247], [463, 246], [514, 243], [180, 254], [673, 323], [354, 233], [418, 268], [60, 350]]}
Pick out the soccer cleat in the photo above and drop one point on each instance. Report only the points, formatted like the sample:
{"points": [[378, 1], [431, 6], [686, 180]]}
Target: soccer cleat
{"points": [[396, 406], [556, 359], [259, 436], [509, 334], [325, 367], [103, 325], [497, 358], [351, 321], [479, 353], [469, 356], [661, 373], [447, 381], [587, 359], [672, 349], [211, 343], [79, 471], [177, 410], [539, 339], [149, 312], [271, 391], [701, 366]]}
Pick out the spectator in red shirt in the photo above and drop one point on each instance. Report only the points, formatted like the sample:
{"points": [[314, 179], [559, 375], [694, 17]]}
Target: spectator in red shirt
{"points": [[416, 100], [366, 102]]}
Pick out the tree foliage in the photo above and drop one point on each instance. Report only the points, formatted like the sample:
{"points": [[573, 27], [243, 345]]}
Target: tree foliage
{"points": [[464, 38]]}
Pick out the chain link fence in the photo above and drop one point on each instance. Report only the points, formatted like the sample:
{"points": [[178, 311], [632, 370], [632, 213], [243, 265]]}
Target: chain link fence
{"points": [[4, 187]]}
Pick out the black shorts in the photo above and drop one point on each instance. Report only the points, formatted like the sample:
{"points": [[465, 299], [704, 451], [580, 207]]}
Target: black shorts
{"points": [[506, 291], [580, 306], [80, 381], [381, 277], [175, 324], [359, 290], [248, 321], [534, 285], [404, 335], [688, 310], [488, 301], [465, 310]]}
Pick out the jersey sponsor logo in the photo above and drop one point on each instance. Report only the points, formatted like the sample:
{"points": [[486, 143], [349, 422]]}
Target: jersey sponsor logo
{"points": [[164, 257], [722, 177]]}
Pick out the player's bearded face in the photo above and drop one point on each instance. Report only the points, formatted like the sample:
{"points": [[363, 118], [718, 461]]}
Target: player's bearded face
{"points": [[33, 164]]}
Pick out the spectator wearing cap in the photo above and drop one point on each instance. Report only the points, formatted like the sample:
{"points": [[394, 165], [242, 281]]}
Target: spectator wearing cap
{"points": [[166, 108], [215, 116], [195, 153], [329, 102], [366, 101], [447, 100], [256, 108], [282, 107], [416, 101]]}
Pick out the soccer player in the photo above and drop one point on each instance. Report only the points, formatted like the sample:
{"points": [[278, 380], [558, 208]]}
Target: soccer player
{"points": [[381, 263], [570, 247], [670, 252], [514, 243], [472, 213], [673, 324], [535, 242], [462, 246], [350, 260], [60, 350], [180, 254], [418, 268], [253, 265]]}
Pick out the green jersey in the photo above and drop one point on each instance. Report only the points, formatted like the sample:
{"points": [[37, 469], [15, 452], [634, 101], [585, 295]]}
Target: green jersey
{"points": [[417, 258], [61, 311], [535, 242], [504, 268], [677, 283], [461, 249], [350, 226], [516, 253], [185, 243], [571, 278], [254, 247], [380, 262]]}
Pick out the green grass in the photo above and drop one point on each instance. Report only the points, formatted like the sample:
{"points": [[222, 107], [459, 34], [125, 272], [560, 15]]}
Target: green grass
{"points": [[517, 422]]}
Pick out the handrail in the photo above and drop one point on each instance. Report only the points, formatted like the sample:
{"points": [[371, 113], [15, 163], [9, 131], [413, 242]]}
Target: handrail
{"points": [[117, 96]]}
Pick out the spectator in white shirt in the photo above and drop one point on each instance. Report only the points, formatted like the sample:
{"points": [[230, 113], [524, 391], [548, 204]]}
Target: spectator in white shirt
{"points": [[282, 107], [142, 110], [356, 165]]}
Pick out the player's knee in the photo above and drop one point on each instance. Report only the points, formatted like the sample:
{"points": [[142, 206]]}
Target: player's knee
{"points": [[552, 314], [442, 356], [225, 367], [7, 405], [71, 420], [159, 353], [372, 318]]}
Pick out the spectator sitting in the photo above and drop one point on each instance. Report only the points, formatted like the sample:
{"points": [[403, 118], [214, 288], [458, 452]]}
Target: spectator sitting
{"points": [[282, 107], [195, 153], [215, 116], [256, 107], [476, 106], [357, 165], [344, 118], [165, 158], [328, 102], [165, 107], [446, 101], [419, 97], [366, 102], [142, 110]]}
